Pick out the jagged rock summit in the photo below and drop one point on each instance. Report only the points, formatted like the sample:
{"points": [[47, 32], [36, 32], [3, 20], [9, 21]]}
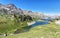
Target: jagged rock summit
{"points": [[12, 9]]}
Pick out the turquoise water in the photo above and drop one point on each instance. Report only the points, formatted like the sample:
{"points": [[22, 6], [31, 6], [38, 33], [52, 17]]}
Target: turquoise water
{"points": [[35, 24], [39, 23]]}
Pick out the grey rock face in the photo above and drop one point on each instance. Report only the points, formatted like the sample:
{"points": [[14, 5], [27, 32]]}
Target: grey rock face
{"points": [[12, 9]]}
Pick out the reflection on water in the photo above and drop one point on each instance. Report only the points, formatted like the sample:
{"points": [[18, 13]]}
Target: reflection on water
{"points": [[39, 23], [36, 24]]}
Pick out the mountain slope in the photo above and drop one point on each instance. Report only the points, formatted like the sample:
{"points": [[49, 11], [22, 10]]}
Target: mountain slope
{"points": [[12, 9]]}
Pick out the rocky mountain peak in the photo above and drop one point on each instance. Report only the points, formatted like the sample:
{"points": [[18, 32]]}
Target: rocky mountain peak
{"points": [[11, 6], [12, 9]]}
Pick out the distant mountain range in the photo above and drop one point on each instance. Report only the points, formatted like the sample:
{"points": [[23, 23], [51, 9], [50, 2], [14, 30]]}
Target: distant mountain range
{"points": [[12, 9]]}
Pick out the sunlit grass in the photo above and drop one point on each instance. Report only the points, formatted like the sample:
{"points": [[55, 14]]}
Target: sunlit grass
{"points": [[43, 31]]}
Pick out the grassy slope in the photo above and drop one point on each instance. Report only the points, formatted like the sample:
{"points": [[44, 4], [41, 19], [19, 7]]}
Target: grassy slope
{"points": [[47, 31], [8, 25], [5, 24]]}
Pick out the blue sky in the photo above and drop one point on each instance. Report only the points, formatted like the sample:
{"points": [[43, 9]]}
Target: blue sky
{"points": [[50, 7]]}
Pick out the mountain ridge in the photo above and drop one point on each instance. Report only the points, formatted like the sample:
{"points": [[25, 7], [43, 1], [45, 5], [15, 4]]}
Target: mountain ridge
{"points": [[12, 9]]}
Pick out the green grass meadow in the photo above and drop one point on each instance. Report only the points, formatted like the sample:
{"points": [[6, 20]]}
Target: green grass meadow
{"points": [[42, 31]]}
